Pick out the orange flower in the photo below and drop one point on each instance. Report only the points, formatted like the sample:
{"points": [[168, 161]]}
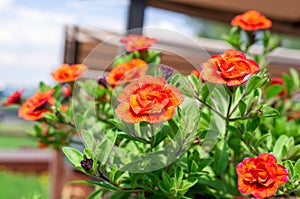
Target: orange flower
{"points": [[260, 176], [137, 42], [278, 81], [251, 20], [68, 73], [149, 99], [127, 71], [15, 98], [36, 106], [230, 68], [196, 73], [42, 145], [293, 116]]}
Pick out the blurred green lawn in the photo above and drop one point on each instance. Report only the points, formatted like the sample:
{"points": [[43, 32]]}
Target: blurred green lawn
{"points": [[18, 185], [13, 135]]}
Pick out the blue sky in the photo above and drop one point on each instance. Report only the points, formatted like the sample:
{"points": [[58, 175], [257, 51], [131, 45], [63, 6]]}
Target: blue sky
{"points": [[32, 32]]}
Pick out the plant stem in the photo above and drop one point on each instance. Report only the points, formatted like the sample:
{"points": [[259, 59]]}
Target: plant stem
{"points": [[210, 107], [237, 105], [228, 114], [152, 129]]}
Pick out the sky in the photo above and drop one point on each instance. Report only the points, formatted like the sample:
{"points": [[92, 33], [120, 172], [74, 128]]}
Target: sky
{"points": [[32, 33]]}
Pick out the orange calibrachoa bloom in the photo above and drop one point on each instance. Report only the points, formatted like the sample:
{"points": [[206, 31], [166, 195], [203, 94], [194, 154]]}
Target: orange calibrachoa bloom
{"points": [[137, 42], [230, 68], [149, 99], [125, 72], [68, 73], [261, 176], [15, 98], [251, 20], [196, 73], [36, 106]]}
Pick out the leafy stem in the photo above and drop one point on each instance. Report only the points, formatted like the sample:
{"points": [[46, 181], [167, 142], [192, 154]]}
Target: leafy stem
{"points": [[210, 107]]}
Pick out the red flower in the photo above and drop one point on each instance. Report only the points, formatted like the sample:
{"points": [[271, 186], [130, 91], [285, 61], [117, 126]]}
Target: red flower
{"points": [[251, 20], [293, 116], [67, 91], [127, 71], [68, 73], [230, 68], [15, 98], [278, 81], [36, 106], [196, 73], [137, 42], [149, 99], [42, 145], [261, 176]]}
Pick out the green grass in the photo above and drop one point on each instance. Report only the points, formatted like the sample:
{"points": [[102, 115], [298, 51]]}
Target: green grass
{"points": [[13, 142], [15, 128], [17, 185], [14, 135]]}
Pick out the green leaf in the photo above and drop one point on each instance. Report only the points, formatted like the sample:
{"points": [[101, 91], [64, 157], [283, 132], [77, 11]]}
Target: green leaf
{"points": [[186, 185], [163, 188], [253, 124], [73, 155], [289, 165], [105, 185], [103, 150], [129, 137], [94, 194], [115, 174], [49, 116], [194, 167], [44, 87], [221, 157], [195, 82], [295, 77], [167, 180], [174, 127], [273, 90], [205, 93], [178, 175], [279, 145], [204, 163], [288, 83], [79, 119], [268, 111], [297, 168], [262, 139], [242, 107], [212, 182], [253, 83], [88, 139], [159, 137]]}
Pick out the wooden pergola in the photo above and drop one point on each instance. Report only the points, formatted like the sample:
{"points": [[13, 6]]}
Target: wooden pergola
{"points": [[82, 44], [285, 15]]}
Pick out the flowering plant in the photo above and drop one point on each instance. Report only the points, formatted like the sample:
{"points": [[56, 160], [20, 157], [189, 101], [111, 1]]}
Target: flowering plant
{"points": [[50, 108], [150, 132]]}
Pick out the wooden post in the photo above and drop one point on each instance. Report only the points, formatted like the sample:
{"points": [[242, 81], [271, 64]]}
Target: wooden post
{"points": [[57, 175], [135, 18]]}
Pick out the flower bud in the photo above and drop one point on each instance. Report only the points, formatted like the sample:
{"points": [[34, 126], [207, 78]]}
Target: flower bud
{"points": [[102, 81], [87, 164]]}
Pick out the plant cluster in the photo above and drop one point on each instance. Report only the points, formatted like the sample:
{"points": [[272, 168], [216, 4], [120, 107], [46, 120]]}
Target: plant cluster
{"points": [[151, 132]]}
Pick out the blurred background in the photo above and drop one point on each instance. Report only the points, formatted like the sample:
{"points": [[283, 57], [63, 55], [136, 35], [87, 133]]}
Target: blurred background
{"points": [[35, 39]]}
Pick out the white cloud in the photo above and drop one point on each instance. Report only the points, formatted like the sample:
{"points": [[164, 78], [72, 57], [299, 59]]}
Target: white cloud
{"points": [[4, 4], [31, 43]]}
